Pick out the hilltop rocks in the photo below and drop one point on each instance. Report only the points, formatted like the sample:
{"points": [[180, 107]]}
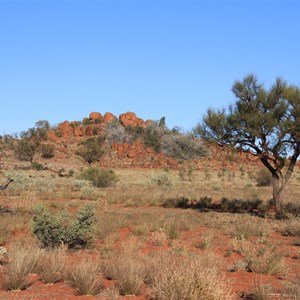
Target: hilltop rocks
{"points": [[95, 124], [130, 119], [108, 117], [95, 116], [66, 129]]}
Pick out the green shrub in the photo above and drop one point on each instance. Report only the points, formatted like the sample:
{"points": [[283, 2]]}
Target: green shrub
{"points": [[90, 151], [25, 150], [47, 151], [53, 229], [181, 202], [264, 178], [37, 166], [152, 139], [99, 177]]}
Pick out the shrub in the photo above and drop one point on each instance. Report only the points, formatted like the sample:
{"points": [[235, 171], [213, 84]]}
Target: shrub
{"points": [[37, 166], [47, 151], [116, 133], [181, 202], [90, 151], [152, 139], [88, 193], [163, 179], [99, 177], [52, 229], [264, 178], [180, 146], [20, 184]]}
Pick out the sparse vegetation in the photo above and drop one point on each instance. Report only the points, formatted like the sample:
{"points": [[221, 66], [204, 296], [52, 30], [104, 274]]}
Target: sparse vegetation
{"points": [[99, 177], [90, 151]]}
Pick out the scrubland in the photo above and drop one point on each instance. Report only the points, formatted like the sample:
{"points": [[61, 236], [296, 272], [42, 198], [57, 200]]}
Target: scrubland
{"points": [[153, 234]]}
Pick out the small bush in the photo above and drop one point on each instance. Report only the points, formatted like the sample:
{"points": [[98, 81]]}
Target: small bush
{"points": [[52, 229], [163, 179], [184, 147], [116, 133], [152, 139], [88, 193], [47, 151], [99, 177], [20, 184], [90, 151], [264, 178], [180, 202], [37, 166]]}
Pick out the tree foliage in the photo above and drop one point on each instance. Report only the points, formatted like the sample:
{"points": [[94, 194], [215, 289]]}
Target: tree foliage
{"points": [[265, 121]]}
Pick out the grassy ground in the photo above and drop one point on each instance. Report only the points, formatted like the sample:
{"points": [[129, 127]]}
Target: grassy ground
{"points": [[144, 249]]}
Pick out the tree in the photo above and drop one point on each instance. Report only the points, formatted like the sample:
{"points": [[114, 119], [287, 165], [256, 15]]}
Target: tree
{"points": [[266, 122], [25, 150]]}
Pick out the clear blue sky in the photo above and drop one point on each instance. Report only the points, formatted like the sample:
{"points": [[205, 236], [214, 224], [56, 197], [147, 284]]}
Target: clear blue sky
{"points": [[61, 60]]}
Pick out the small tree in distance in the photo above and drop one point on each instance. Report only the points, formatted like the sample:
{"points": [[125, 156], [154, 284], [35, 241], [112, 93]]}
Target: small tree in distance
{"points": [[267, 122]]}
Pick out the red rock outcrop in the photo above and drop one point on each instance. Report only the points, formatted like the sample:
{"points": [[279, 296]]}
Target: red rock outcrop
{"points": [[53, 137], [93, 129], [66, 129], [136, 149], [108, 117], [130, 119], [95, 115]]}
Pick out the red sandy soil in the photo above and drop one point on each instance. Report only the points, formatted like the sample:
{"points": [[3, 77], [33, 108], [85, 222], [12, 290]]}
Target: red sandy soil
{"points": [[239, 282]]}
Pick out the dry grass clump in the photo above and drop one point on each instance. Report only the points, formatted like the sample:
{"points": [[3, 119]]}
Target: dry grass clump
{"points": [[290, 227], [186, 277], [265, 260], [247, 228], [51, 265], [262, 291], [111, 293], [206, 240], [127, 266], [292, 289], [85, 276], [21, 262]]}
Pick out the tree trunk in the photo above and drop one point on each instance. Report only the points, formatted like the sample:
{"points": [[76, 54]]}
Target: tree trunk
{"points": [[279, 187]]}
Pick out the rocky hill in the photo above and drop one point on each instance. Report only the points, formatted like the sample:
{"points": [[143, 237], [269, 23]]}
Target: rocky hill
{"points": [[128, 141]]}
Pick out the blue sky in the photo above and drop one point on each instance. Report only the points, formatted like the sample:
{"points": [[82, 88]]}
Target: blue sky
{"points": [[61, 60]]}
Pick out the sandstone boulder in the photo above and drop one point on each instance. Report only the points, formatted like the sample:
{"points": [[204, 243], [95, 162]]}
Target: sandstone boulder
{"points": [[130, 119], [108, 117], [66, 129], [95, 115]]}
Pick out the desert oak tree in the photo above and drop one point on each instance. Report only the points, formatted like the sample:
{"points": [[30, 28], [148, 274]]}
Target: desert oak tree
{"points": [[264, 121]]}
